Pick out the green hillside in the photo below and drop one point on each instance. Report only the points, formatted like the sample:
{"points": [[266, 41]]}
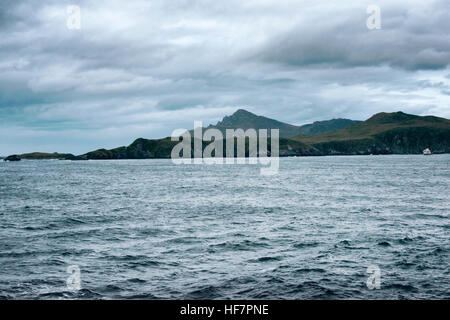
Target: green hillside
{"points": [[396, 132], [383, 133], [47, 156], [244, 119]]}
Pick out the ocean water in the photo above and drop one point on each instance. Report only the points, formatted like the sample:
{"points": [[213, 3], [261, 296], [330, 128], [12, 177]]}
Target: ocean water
{"points": [[149, 229]]}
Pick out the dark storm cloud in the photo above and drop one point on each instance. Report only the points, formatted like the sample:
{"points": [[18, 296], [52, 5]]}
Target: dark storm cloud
{"points": [[143, 68], [411, 37]]}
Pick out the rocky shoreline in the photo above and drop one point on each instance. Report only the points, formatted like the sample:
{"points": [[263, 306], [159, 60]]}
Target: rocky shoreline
{"points": [[383, 133]]}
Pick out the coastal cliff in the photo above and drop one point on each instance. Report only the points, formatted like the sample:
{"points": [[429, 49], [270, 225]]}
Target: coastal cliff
{"points": [[383, 133]]}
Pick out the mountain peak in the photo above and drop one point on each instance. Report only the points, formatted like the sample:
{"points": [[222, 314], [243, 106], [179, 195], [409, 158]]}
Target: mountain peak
{"points": [[239, 117], [392, 117], [241, 112], [244, 119]]}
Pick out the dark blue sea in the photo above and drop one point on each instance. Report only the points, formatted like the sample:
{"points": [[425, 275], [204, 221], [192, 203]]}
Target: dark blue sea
{"points": [[149, 229]]}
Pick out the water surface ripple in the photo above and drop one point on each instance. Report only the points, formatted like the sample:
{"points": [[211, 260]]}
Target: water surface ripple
{"points": [[153, 230]]}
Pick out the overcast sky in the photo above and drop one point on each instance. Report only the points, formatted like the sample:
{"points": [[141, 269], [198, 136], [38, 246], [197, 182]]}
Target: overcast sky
{"points": [[143, 68]]}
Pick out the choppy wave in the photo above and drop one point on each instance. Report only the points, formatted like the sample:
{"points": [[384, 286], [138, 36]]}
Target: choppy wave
{"points": [[147, 229]]}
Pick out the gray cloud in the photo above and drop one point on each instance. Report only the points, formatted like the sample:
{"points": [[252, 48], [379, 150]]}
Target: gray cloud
{"points": [[144, 68], [412, 38]]}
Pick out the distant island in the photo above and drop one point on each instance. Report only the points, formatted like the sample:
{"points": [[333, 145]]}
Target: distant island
{"points": [[383, 133]]}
